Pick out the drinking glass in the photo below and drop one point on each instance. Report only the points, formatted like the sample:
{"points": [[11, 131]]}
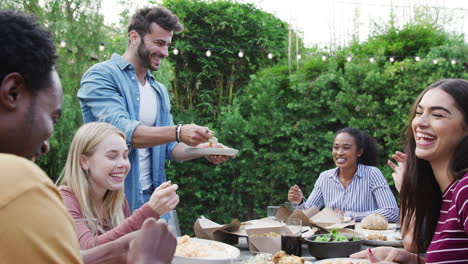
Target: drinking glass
{"points": [[271, 211], [291, 237]]}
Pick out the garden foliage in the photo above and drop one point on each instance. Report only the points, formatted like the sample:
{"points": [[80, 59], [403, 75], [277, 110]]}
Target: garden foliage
{"points": [[282, 123]]}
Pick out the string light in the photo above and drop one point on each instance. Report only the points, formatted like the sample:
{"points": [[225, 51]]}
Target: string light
{"points": [[417, 58], [298, 56], [435, 61], [63, 44], [349, 59], [453, 62], [270, 56], [208, 53], [241, 54], [391, 59], [175, 51], [324, 58], [101, 47], [372, 60]]}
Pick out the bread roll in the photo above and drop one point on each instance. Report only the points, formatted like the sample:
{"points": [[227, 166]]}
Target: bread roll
{"points": [[375, 222]]}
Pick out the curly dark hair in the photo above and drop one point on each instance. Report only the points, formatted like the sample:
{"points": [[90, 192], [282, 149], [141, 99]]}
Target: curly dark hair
{"points": [[142, 19], [364, 141], [26, 48]]}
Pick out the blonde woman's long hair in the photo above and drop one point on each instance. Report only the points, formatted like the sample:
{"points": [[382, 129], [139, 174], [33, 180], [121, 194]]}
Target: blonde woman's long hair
{"points": [[85, 141]]}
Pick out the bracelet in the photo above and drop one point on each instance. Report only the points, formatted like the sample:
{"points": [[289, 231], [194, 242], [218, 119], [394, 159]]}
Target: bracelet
{"points": [[177, 133]]}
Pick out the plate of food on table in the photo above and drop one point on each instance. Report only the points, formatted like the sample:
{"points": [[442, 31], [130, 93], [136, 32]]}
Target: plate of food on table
{"points": [[378, 232], [197, 251], [212, 147], [343, 261], [279, 258]]}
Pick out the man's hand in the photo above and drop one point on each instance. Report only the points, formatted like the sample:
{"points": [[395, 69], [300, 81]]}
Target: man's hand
{"points": [[193, 135], [164, 198], [154, 244], [295, 195], [398, 170]]}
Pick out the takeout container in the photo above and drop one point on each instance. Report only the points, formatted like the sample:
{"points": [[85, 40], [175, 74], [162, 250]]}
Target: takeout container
{"points": [[322, 250], [258, 242]]}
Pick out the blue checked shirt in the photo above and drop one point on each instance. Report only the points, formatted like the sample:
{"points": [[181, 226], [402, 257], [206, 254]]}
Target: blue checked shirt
{"points": [[367, 193], [109, 93]]}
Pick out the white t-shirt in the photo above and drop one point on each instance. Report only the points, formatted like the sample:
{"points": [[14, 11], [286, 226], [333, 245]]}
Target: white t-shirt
{"points": [[148, 114]]}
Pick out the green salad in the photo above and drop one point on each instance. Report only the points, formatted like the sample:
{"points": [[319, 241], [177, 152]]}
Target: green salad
{"points": [[334, 236]]}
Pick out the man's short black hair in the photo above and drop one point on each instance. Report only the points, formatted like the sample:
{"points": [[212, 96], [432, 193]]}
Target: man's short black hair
{"points": [[26, 48]]}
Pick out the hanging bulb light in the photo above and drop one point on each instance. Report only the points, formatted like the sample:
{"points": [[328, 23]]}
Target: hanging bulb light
{"points": [[240, 54], [349, 59], [208, 53], [391, 59], [101, 47], [324, 58], [435, 61], [63, 43], [270, 56], [417, 58], [453, 61], [175, 51], [298, 56], [371, 60]]}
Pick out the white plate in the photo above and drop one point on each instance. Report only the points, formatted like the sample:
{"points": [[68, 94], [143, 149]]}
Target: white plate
{"points": [[391, 243], [393, 238], [212, 151], [344, 261], [225, 256]]}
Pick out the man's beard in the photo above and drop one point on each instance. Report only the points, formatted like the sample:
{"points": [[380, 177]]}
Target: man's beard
{"points": [[145, 57]]}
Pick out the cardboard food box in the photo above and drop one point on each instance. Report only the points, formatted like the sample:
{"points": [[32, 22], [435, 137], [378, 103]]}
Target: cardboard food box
{"points": [[264, 237]]}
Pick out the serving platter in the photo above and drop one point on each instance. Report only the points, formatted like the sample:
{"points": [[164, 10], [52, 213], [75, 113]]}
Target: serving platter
{"points": [[218, 253], [212, 151]]}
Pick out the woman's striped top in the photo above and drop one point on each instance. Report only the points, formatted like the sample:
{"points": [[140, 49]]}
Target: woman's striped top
{"points": [[367, 193], [450, 241]]}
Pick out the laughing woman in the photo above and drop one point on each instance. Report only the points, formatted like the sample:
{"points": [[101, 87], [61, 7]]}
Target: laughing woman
{"points": [[92, 187], [434, 192], [355, 187]]}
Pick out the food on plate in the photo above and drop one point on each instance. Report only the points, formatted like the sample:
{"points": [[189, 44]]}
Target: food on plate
{"points": [[192, 249], [259, 259], [376, 237], [374, 221], [279, 258], [282, 258], [270, 234], [334, 236], [345, 262]]}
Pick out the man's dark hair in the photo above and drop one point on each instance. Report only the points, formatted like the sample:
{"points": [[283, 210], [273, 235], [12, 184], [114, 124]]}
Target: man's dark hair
{"points": [[142, 19], [26, 48]]}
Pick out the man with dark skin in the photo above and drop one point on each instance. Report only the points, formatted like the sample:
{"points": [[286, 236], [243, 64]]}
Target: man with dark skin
{"points": [[35, 226]]}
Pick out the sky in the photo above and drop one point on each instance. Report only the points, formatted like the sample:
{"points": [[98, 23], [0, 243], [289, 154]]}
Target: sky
{"points": [[321, 22]]}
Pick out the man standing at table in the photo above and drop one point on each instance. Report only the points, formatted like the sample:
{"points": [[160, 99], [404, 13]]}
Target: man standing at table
{"points": [[123, 92], [35, 227]]}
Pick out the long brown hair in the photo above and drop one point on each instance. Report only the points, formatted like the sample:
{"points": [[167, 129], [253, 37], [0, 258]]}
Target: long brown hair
{"points": [[420, 195]]}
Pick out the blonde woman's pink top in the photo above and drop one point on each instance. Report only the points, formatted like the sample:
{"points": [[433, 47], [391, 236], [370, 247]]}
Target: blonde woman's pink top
{"points": [[85, 237]]}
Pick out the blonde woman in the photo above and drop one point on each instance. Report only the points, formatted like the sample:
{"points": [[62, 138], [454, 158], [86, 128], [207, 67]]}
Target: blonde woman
{"points": [[92, 187]]}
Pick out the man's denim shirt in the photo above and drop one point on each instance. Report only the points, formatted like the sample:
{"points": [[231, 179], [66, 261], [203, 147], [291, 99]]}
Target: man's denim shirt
{"points": [[109, 93]]}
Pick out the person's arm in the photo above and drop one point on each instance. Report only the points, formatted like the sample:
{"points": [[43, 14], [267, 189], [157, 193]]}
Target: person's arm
{"points": [[388, 255], [153, 244], [315, 198], [102, 95], [85, 237], [383, 196]]}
